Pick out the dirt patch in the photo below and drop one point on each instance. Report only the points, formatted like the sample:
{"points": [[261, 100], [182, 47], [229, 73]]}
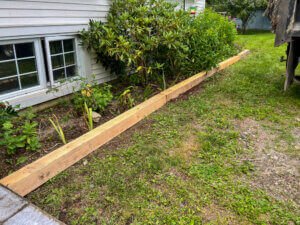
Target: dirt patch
{"points": [[296, 135], [276, 172], [214, 214], [187, 148]]}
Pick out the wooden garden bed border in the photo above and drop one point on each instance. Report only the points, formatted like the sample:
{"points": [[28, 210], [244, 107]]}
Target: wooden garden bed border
{"points": [[37, 173]]}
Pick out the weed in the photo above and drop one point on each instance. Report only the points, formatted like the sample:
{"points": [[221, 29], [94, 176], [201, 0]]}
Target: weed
{"points": [[55, 123], [126, 101], [95, 96], [19, 133], [88, 113]]}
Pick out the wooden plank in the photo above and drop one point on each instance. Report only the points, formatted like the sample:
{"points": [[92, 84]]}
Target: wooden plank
{"points": [[232, 60], [32, 176], [184, 86], [37, 173]]}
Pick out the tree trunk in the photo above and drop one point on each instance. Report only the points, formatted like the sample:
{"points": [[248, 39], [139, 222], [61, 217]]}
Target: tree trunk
{"points": [[244, 27]]}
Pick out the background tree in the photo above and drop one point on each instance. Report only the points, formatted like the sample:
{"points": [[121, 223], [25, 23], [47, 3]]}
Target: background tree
{"points": [[242, 9]]}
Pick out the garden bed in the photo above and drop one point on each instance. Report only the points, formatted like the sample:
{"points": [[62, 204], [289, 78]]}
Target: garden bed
{"points": [[72, 122], [35, 174]]}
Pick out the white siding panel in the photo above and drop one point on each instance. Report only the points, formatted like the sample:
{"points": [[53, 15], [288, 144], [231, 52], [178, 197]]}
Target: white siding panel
{"points": [[97, 69], [13, 4], [27, 18], [27, 22], [40, 30], [43, 13], [42, 18], [88, 2]]}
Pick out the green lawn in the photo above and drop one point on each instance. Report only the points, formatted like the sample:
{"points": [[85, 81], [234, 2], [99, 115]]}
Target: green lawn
{"points": [[227, 154]]}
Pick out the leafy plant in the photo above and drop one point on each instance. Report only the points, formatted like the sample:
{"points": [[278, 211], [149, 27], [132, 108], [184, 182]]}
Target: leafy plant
{"points": [[10, 140], [21, 134], [88, 116], [152, 42], [95, 97], [142, 38], [148, 91], [212, 41], [126, 100], [6, 112], [55, 123], [21, 160], [30, 134]]}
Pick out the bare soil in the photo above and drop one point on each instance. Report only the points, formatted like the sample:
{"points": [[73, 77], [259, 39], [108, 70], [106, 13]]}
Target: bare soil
{"points": [[276, 171]]}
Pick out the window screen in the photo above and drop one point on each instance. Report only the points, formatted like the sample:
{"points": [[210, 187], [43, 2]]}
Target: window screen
{"points": [[18, 69], [63, 59]]}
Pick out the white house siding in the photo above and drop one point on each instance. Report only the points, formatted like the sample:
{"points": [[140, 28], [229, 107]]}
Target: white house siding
{"points": [[23, 19], [48, 17], [199, 4]]}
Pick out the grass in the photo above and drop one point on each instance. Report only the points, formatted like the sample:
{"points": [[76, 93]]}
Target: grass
{"points": [[187, 167]]}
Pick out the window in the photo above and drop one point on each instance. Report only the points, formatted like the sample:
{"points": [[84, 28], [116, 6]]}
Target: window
{"points": [[62, 57], [32, 64], [18, 67]]}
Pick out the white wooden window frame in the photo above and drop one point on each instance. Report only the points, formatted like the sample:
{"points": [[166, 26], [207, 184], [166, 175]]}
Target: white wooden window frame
{"points": [[54, 83], [39, 64]]}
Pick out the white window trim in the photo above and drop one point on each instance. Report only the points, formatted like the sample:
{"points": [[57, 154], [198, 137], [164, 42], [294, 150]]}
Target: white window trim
{"points": [[48, 56], [39, 64]]}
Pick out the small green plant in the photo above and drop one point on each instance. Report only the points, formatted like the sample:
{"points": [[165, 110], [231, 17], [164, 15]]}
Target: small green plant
{"points": [[147, 92], [29, 132], [88, 113], [55, 123], [126, 100], [20, 134], [10, 140], [7, 112], [95, 96]]}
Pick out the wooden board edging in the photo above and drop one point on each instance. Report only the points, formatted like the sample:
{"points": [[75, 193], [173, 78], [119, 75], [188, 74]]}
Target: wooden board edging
{"points": [[37, 173]]}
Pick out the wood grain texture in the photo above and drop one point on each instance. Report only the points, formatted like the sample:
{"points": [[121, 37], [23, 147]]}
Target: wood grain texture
{"points": [[37, 173]]}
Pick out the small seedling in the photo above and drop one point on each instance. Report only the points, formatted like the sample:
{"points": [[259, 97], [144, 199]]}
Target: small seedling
{"points": [[58, 129], [88, 116], [126, 100]]}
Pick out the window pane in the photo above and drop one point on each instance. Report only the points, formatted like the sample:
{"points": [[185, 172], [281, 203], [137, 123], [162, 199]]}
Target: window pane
{"points": [[9, 85], [55, 47], [29, 80], [8, 69], [57, 61], [59, 74], [71, 71], [24, 50], [70, 59], [69, 45], [6, 52], [26, 65]]}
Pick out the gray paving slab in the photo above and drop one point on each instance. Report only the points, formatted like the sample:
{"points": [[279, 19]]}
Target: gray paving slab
{"points": [[15, 210], [31, 216], [9, 204]]}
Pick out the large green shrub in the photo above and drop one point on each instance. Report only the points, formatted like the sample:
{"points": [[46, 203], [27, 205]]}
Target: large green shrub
{"points": [[149, 40], [141, 37], [211, 42]]}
